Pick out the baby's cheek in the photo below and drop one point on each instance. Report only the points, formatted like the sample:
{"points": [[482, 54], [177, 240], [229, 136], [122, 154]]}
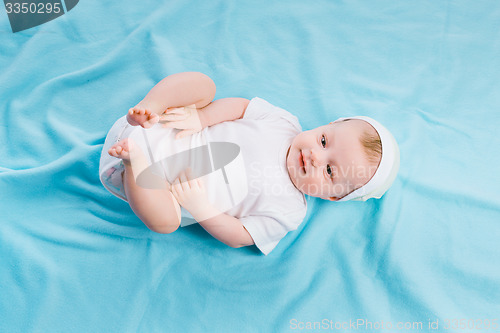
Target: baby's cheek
{"points": [[312, 186]]}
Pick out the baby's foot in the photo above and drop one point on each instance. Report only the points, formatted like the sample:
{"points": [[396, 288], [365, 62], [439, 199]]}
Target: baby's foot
{"points": [[121, 149], [142, 117]]}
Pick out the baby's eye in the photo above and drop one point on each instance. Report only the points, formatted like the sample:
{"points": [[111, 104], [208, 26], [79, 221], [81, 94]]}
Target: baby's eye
{"points": [[323, 141], [329, 170], [332, 175]]}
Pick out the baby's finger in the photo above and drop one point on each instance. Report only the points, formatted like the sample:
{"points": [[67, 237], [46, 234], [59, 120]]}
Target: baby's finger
{"points": [[174, 110], [173, 124], [175, 192], [193, 182], [189, 174], [176, 187], [172, 117], [172, 187], [184, 181], [184, 133], [152, 119]]}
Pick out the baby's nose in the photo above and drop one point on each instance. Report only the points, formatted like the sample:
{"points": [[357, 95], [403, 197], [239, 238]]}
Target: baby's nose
{"points": [[316, 158]]}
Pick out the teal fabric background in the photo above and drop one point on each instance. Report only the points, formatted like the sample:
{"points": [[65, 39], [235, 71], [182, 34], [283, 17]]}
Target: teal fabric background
{"points": [[74, 258]]}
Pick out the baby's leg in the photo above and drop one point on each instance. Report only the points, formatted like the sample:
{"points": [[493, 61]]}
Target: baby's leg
{"points": [[157, 208], [176, 90]]}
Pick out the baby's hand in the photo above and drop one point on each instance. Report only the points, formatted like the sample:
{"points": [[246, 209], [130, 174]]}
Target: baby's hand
{"points": [[186, 118], [142, 117], [192, 195]]}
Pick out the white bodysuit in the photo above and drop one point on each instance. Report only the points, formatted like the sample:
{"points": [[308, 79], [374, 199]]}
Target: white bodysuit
{"points": [[262, 195]]}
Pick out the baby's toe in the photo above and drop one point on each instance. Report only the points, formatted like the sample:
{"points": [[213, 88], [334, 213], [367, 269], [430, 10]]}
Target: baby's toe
{"points": [[153, 119], [112, 152]]}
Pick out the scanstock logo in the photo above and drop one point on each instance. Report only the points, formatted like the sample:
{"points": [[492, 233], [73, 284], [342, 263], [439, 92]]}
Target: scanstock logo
{"points": [[25, 14]]}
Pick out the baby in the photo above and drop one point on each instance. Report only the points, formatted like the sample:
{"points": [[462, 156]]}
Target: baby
{"points": [[353, 158]]}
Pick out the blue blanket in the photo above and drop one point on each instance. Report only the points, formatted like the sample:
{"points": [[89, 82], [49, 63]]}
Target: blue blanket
{"points": [[74, 258]]}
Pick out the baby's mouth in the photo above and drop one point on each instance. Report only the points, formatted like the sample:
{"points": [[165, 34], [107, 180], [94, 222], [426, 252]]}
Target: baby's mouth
{"points": [[302, 162]]}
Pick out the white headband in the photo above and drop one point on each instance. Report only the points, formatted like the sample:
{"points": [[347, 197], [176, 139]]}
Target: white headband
{"points": [[387, 169]]}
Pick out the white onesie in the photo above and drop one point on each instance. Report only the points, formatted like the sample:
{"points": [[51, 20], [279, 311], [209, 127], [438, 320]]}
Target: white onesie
{"points": [[267, 203]]}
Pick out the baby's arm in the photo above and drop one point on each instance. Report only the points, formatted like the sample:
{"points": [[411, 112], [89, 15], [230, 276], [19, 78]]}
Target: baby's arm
{"points": [[228, 230], [224, 109], [191, 120], [192, 195]]}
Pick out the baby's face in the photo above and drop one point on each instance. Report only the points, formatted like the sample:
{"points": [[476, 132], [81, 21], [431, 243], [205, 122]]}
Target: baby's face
{"points": [[329, 161]]}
